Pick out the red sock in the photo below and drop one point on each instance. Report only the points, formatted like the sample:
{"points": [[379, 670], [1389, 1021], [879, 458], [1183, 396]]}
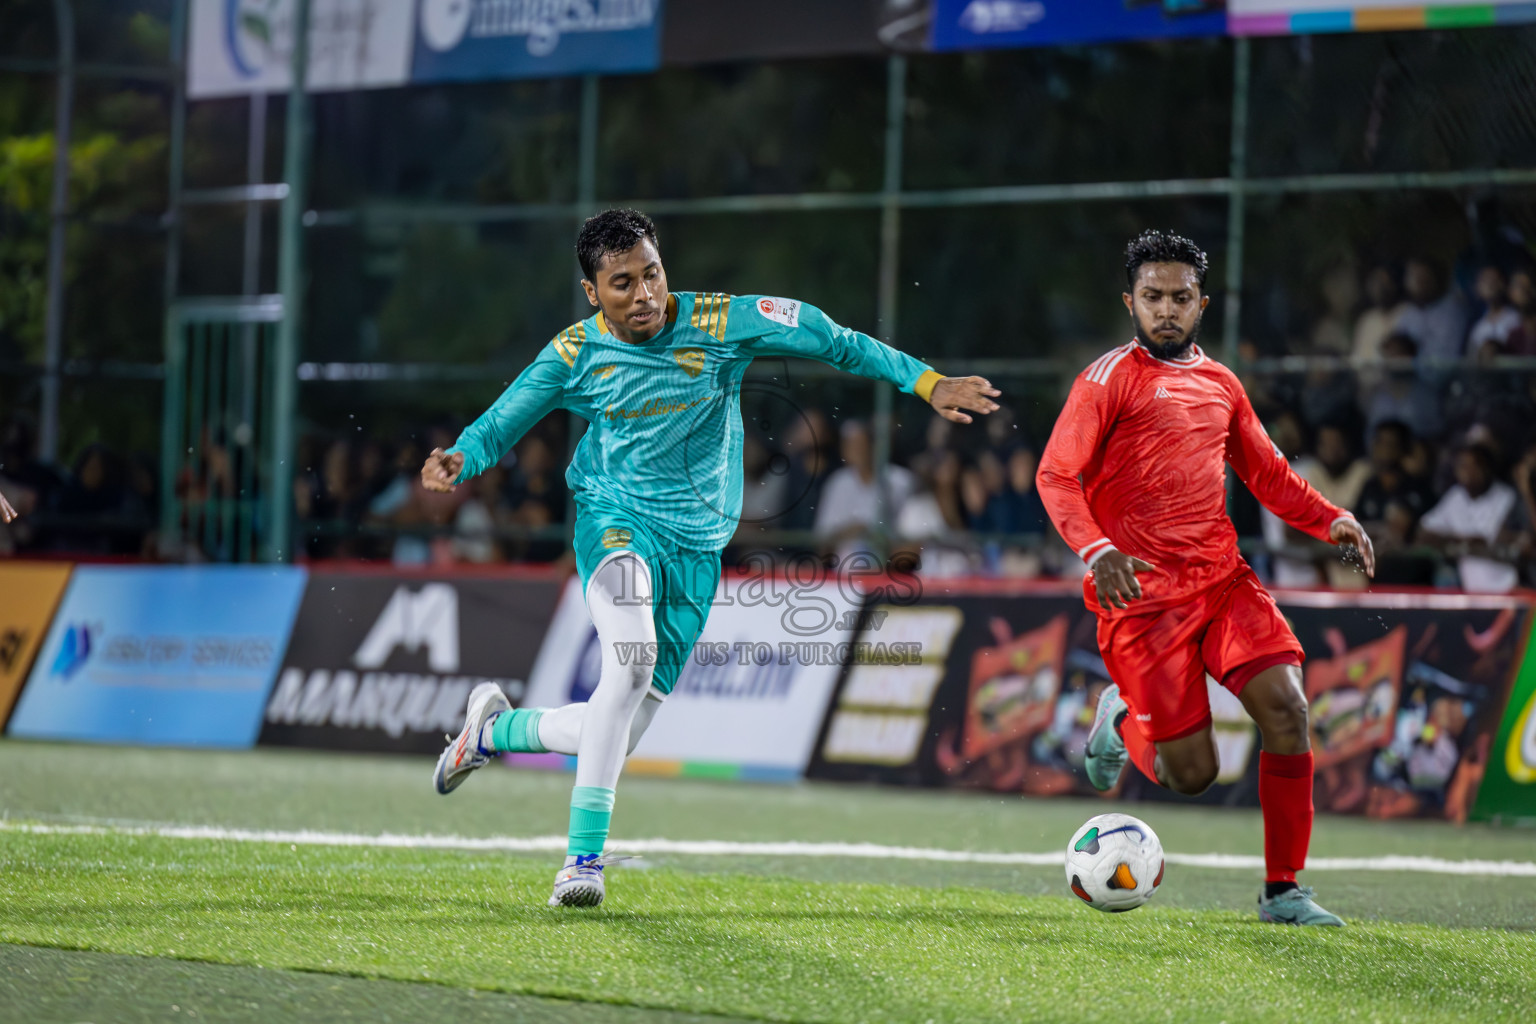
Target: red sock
{"points": [[1143, 751], [1285, 794]]}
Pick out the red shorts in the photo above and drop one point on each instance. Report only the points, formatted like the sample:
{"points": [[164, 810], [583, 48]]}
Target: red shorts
{"points": [[1233, 631]]}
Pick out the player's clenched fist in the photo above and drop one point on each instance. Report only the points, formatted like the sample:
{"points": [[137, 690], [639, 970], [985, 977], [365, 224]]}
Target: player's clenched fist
{"points": [[952, 395], [1114, 577], [441, 470]]}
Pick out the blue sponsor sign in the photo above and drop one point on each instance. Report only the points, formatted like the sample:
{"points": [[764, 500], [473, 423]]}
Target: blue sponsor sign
{"points": [[161, 655], [981, 24], [481, 39]]}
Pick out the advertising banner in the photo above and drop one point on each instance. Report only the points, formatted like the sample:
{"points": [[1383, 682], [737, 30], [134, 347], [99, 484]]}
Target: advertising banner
{"points": [[750, 699], [703, 31], [29, 592], [982, 24], [161, 655], [1405, 694], [1286, 17], [384, 661], [1508, 792], [238, 47], [479, 39]]}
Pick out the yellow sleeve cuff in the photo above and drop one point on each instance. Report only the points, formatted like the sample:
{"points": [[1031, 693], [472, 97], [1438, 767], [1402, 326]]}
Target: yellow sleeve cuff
{"points": [[925, 384]]}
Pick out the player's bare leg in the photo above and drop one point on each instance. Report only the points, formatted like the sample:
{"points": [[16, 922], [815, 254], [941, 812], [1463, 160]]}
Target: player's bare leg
{"points": [[1277, 704]]}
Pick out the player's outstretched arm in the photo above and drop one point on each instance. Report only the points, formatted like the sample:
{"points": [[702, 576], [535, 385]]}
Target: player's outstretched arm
{"points": [[537, 391], [7, 513], [1261, 466], [767, 326]]}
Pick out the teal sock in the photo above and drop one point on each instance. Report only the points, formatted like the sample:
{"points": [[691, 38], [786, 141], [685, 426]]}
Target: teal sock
{"points": [[517, 732], [591, 812]]}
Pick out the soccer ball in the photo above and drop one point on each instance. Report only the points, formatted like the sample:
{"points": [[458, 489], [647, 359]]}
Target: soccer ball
{"points": [[1114, 862]]}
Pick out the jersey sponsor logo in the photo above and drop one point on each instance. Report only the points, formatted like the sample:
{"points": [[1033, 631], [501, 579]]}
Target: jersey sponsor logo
{"points": [[655, 407], [1163, 393], [604, 372], [616, 537], [690, 359], [783, 311]]}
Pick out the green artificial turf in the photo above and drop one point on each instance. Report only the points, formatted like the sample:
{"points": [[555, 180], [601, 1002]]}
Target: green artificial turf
{"points": [[766, 937]]}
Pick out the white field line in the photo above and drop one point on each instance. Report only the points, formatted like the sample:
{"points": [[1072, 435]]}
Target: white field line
{"points": [[722, 848]]}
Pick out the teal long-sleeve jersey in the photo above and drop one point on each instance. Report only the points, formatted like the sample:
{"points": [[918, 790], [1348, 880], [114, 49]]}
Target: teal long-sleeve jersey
{"points": [[665, 435]]}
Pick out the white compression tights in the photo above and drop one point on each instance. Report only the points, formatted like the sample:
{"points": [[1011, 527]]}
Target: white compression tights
{"points": [[606, 728]]}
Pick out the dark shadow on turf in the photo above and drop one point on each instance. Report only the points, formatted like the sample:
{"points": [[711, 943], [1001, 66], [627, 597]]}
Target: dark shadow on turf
{"points": [[41, 985]]}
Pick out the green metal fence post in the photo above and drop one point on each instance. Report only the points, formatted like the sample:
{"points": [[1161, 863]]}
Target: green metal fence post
{"points": [[890, 269], [290, 262], [1231, 327]]}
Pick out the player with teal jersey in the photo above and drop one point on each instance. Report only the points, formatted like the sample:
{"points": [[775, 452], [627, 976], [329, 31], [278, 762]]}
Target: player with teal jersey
{"points": [[657, 480]]}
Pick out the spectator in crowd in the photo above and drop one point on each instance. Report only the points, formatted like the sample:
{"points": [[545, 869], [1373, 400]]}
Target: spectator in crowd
{"points": [[1391, 504], [1473, 523], [1337, 475], [929, 526], [1522, 299], [850, 510], [338, 499], [805, 444], [1332, 334], [1390, 481], [1403, 394], [1336, 472], [1436, 318], [478, 520], [94, 505], [1381, 315], [1290, 566], [1491, 333], [533, 489], [394, 494], [763, 498]]}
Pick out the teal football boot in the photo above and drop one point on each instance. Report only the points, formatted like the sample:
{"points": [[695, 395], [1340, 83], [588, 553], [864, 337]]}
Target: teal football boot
{"points": [[1105, 753], [1295, 906]]}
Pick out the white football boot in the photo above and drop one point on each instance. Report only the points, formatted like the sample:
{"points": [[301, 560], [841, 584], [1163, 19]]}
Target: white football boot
{"points": [[463, 754]]}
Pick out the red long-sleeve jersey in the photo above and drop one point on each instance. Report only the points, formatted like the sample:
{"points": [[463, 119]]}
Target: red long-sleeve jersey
{"points": [[1137, 462]]}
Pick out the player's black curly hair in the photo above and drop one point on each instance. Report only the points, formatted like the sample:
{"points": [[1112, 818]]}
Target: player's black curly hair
{"points": [[610, 232], [1155, 246]]}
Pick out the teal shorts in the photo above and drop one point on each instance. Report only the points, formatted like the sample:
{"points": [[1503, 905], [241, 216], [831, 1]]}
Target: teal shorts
{"points": [[685, 580]]}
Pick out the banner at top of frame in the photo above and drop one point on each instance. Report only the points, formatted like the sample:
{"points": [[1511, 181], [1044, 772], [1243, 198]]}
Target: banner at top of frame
{"points": [[239, 47], [985, 24], [1287, 17], [459, 40]]}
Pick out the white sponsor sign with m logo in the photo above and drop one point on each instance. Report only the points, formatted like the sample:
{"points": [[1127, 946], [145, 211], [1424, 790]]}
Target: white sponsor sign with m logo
{"points": [[428, 618]]}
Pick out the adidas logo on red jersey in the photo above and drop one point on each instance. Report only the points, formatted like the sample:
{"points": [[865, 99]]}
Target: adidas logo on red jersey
{"points": [[1163, 393]]}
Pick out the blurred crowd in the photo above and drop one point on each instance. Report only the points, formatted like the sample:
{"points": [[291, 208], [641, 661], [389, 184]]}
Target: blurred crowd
{"points": [[1411, 413], [1435, 460]]}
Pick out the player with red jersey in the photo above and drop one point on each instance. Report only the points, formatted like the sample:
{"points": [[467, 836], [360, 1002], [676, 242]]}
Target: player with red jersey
{"points": [[1134, 478]]}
